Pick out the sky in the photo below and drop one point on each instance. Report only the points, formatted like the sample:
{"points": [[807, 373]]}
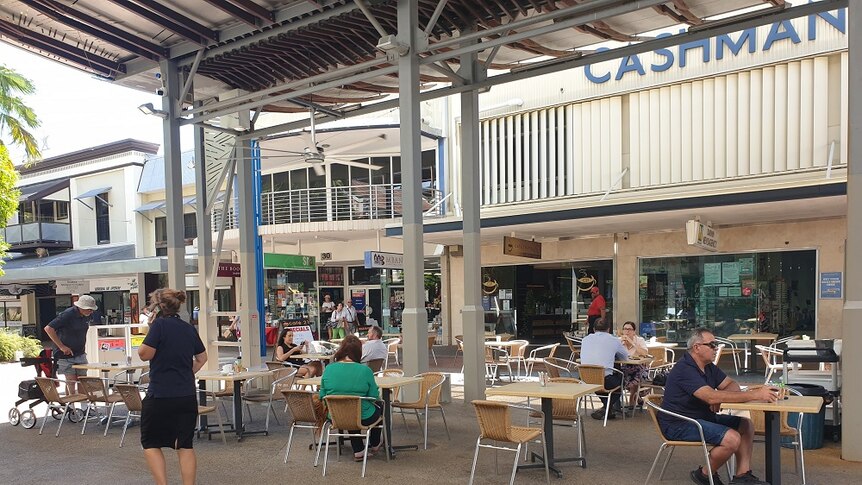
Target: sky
{"points": [[76, 109]]}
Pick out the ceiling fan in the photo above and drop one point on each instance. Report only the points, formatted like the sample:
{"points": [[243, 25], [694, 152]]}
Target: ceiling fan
{"points": [[318, 155]]}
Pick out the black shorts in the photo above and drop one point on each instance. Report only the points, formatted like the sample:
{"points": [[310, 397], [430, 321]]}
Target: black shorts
{"points": [[168, 422]]}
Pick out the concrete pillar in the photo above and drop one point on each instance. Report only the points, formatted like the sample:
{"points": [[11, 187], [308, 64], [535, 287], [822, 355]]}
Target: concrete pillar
{"points": [[173, 177], [206, 323]]}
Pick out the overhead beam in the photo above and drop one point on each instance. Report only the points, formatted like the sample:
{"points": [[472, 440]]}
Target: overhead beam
{"points": [[97, 28], [234, 11], [252, 8], [171, 20]]}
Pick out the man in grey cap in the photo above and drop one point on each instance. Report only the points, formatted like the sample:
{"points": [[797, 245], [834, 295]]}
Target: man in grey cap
{"points": [[69, 333]]}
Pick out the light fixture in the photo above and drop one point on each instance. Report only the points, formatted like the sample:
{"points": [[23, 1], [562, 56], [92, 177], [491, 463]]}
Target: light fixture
{"points": [[149, 109]]}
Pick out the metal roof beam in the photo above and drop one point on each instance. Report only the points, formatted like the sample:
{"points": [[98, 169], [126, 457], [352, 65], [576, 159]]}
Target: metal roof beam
{"points": [[234, 11], [254, 9], [97, 28], [89, 60], [441, 4], [167, 18]]}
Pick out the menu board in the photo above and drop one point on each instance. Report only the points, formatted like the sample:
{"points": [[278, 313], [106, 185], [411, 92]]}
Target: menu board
{"points": [[712, 273], [730, 273]]}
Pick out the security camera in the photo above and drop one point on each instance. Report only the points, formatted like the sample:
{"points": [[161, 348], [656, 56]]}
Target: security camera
{"points": [[160, 92], [625, 236]]}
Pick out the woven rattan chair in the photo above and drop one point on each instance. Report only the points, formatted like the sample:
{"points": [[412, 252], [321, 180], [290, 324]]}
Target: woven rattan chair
{"points": [[653, 403], [345, 414], [303, 414], [282, 380], [429, 398], [595, 374], [538, 356], [60, 404], [432, 339], [662, 360], [495, 424], [131, 395], [392, 373], [98, 394], [574, 344], [565, 413], [517, 349], [376, 364], [558, 367]]}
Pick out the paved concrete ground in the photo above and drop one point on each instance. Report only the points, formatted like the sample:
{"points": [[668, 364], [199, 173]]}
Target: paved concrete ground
{"points": [[620, 453]]}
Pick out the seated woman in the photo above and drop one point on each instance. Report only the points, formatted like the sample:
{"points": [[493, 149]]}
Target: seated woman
{"points": [[347, 376], [634, 374], [286, 348]]}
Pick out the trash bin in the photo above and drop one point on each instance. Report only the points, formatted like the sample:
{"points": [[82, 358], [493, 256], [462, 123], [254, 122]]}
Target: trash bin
{"points": [[812, 424]]}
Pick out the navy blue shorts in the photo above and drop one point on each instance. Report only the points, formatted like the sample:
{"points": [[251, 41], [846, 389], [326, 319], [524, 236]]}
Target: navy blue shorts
{"points": [[713, 432]]}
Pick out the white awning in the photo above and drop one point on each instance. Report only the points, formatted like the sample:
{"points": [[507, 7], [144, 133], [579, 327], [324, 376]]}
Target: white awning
{"points": [[93, 192]]}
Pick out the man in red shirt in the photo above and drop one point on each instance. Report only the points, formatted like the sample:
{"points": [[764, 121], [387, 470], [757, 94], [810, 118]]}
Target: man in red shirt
{"points": [[597, 310]]}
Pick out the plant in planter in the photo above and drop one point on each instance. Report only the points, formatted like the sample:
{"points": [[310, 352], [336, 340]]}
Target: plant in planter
{"points": [[11, 342]]}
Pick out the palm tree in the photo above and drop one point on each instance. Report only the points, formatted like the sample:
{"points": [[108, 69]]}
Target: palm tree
{"points": [[16, 118]]}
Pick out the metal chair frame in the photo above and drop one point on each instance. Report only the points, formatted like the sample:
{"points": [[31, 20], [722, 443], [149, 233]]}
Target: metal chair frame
{"points": [[354, 423]]}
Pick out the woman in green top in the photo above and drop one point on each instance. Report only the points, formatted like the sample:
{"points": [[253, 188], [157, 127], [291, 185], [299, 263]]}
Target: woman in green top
{"points": [[348, 377]]}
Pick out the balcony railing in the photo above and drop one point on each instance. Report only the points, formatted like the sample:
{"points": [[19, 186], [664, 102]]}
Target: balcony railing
{"points": [[36, 233], [346, 203]]}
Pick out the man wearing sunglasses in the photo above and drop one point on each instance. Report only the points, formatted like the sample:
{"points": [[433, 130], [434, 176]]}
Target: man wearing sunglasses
{"points": [[696, 388]]}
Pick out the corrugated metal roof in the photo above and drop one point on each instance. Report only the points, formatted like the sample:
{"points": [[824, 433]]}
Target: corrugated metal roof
{"points": [[153, 174]]}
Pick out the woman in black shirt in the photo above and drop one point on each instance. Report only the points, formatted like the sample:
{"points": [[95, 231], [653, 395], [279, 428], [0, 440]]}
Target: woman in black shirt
{"points": [[286, 349]]}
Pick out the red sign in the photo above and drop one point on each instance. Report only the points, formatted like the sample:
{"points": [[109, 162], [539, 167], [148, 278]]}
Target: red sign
{"points": [[228, 269]]}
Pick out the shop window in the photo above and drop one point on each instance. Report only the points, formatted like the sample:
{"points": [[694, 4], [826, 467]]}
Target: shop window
{"points": [[161, 227], [729, 293], [190, 226], [359, 275], [103, 221]]}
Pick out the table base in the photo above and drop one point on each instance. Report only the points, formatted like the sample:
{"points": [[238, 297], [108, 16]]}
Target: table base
{"points": [[534, 457]]}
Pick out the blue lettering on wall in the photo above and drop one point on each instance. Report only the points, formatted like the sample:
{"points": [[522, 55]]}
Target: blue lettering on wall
{"points": [[668, 55], [780, 31], [683, 48], [629, 64], [592, 77], [722, 41]]}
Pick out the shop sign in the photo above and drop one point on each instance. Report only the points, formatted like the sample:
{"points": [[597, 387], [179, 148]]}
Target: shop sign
{"points": [[701, 235], [231, 270], [72, 287], [289, 261], [514, 246], [377, 259], [831, 285], [114, 284], [326, 256]]}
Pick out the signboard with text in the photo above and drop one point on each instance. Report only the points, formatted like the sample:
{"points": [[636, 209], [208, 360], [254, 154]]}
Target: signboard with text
{"points": [[377, 259], [289, 261], [231, 270], [114, 284], [701, 235], [514, 246], [831, 285]]}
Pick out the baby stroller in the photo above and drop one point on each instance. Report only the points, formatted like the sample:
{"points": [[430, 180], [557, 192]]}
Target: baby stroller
{"points": [[29, 391]]}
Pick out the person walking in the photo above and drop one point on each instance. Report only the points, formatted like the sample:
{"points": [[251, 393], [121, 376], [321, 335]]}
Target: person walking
{"points": [[69, 333], [170, 409], [597, 309]]}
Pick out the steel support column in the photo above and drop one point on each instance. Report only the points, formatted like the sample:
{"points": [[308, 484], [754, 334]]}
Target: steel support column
{"points": [[206, 322], [473, 314], [851, 440], [173, 177], [414, 327], [248, 292]]}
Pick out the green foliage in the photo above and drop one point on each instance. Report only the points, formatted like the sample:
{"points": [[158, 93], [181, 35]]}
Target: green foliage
{"points": [[16, 118], [8, 196], [10, 342]]}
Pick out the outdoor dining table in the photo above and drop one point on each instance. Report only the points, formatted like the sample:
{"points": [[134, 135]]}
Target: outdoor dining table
{"points": [[237, 378], [772, 412], [752, 339], [107, 367], [386, 384], [547, 393]]}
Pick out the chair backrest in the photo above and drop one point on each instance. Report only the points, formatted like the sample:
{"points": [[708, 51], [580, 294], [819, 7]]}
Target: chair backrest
{"points": [[459, 339], [518, 347], [301, 405], [392, 344], [718, 352], [131, 395], [574, 344], [658, 354], [345, 412], [556, 366], [653, 402], [145, 378], [431, 381], [432, 339], [375, 364], [273, 365], [94, 388], [565, 408], [493, 417], [391, 373], [661, 339], [283, 379], [539, 352], [770, 355], [592, 374], [49, 389]]}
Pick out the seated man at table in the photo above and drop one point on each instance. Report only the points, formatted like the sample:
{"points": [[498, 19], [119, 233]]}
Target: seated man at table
{"points": [[696, 388], [374, 348], [602, 348]]}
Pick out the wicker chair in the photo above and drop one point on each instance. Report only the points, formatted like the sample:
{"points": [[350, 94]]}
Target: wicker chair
{"points": [[730, 348], [662, 360], [59, 404], [566, 411], [303, 414], [394, 373], [376, 364], [98, 394], [653, 403], [282, 380], [213, 409], [459, 341], [131, 395], [574, 344], [429, 398], [432, 339], [517, 349], [558, 367], [495, 424], [345, 413], [595, 374]]}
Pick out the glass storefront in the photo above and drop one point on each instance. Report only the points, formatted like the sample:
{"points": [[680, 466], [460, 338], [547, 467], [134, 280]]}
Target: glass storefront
{"points": [[728, 293]]}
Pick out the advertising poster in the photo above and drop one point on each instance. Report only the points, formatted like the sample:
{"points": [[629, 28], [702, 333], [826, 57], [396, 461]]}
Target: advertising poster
{"points": [[730, 273], [830, 285], [111, 344], [358, 298], [711, 273], [301, 333]]}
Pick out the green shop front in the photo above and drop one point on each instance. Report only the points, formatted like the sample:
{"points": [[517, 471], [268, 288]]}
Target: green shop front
{"points": [[290, 288]]}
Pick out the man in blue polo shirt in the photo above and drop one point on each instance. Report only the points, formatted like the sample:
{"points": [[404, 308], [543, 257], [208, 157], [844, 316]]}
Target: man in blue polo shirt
{"points": [[69, 333], [695, 388]]}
